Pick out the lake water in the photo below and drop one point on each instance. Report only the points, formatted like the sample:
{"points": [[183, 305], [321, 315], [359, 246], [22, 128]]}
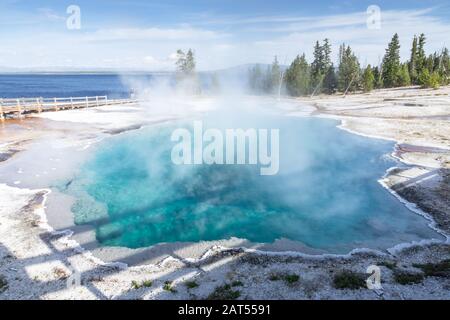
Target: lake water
{"points": [[81, 85], [326, 193], [69, 85]]}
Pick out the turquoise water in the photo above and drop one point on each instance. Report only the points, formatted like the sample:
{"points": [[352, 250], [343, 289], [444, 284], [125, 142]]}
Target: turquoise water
{"points": [[326, 194]]}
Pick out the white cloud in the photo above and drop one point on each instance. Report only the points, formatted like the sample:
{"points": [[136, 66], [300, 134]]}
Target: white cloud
{"points": [[246, 40], [299, 34], [50, 14], [184, 33]]}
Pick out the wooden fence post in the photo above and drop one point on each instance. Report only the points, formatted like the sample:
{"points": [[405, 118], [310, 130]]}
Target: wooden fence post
{"points": [[39, 107], [19, 108], [87, 102], [2, 117], [71, 102], [96, 99]]}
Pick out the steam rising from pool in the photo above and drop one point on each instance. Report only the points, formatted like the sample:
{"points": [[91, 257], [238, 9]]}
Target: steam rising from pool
{"points": [[326, 193]]}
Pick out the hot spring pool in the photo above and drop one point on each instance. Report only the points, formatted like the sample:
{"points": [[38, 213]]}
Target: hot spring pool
{"points": [[326, 193]]}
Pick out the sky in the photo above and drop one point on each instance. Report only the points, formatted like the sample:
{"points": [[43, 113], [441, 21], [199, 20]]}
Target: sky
{"points": [[145, 34]]}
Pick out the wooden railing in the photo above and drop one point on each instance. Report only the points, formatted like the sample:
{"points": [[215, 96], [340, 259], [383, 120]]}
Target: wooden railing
{"points": [[22, 106]]}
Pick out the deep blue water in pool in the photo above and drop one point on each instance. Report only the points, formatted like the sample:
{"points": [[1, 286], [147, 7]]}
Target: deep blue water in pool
{"points": [[326, 194]]}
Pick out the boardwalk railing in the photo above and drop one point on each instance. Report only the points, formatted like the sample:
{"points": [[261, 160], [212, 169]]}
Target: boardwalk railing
{"points": [[22, 106]]}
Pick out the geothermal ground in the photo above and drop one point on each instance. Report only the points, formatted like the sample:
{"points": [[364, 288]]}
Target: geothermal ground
{"points": [[37, 262]]}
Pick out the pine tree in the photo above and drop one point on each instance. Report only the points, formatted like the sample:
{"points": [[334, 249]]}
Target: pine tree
{"points": [[181, 61], [190, 63], [316, 66], [186, 77], [256, 79], [298, 77], [425, 78], [428, 80], [391, 63], [349, 70], [403, 76], [421, 56], [368, 79], [435, 80], [433, 62], [185, 62], [321, 64], [275, 76], [412, 66], [378, 80], [326, 50], [267, 82], [444, 67], [330, 81]]}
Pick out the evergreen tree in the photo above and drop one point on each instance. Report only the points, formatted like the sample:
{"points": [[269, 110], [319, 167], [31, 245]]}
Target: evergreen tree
{"points": [[316, 66], [321, 64], [298, 77], [185, 62], [412, 66], [444, 67], [425, 78], [391, 63], [186, 76], [378, 80], [267, 83], [421, 56], [256, 79], [430, 80], [326, 52], [181, 61], [190, 63], [368, 79], [275, 76], [432, 63], [330, 82], [403, 76], [349, 70], [435, 80]]}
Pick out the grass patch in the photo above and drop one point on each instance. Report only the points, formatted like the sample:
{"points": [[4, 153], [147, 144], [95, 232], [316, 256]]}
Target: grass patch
{"points": [[224, 292], [349, 280], [406, 278], [440, 269], [143, 284], [388, 264], [191, 284], [135, 285], [3, 283], [168, 287], [274, 277], [288, 278], [147, 283], [237, 283], [291, 278]]}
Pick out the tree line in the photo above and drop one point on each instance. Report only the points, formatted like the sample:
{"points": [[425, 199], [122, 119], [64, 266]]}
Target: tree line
{"points": [[321, 76]]}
